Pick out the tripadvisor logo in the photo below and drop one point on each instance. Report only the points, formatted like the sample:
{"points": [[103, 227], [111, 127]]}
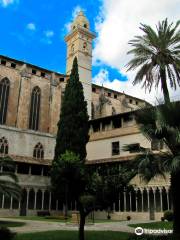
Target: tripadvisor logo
{"points": [[139, 231]]}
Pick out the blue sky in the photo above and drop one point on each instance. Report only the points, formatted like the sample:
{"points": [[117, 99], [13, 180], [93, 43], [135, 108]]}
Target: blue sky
{"points": [[25, 26], [34, 30]]}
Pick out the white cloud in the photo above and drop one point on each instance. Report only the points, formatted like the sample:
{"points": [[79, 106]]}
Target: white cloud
{"points": [[49, 33], [117, 23], [31, 26], [6, 3]]}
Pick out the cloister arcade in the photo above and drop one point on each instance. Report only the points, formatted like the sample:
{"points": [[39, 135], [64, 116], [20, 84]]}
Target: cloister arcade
{"points": [[151, 199]]}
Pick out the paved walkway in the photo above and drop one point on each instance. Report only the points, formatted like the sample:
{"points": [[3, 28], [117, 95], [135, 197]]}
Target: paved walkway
{"points": [[41, 226]]}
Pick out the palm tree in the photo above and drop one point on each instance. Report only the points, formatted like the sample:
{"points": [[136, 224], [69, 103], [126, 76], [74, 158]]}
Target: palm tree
{"points": [[8, 179], [161, 123], [157, 57]]}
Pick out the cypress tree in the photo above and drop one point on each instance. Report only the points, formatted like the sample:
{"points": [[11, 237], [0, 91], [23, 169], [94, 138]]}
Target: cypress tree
{"points": [[72, 134]]}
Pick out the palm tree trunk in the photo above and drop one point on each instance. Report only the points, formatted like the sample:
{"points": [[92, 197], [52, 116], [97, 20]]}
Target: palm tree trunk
{"points": [[81, 225], [164, 85], [175, 179]]}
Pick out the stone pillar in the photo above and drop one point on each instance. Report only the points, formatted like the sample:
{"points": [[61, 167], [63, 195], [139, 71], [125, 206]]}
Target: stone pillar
{"points": [[42, 171], [148, 199], [161, 202], [136, 197], [124, 193], [142, 200], [56, 205], [167, 195], [2, 201], [130, 202], [19, 206], [114, 207], [154, 198], [27, 199], [119, 202], [49, 201], [42, 204], [35, 199], [11, 202], [29, 170]]}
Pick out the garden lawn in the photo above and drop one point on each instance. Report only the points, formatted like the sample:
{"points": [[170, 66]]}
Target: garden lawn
{"points": [[73, 235], [154, 225], [11, 224]]}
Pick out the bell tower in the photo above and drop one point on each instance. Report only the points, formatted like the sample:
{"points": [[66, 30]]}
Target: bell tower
{"points": [[79, 44]]}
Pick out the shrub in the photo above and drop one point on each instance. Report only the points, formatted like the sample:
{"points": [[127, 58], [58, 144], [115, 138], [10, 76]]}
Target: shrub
{"points": [[6, 234], [168, 215], [128, 218], [43, 213]]}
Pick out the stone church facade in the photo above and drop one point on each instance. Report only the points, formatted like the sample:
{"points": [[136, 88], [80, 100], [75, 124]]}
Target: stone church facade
{"points": [[30, 105]]}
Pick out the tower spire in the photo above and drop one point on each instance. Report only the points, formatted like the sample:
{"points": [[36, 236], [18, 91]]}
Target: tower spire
{"points": [[79, 44]]}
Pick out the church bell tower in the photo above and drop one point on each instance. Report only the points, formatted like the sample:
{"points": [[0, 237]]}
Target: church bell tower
{"points": [[79, 44]]}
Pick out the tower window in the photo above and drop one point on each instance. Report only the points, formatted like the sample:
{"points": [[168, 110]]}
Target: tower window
{"points": [[115, 96], [43, 74], [136, 102], [115, 148], [35, 109], [3, 146], [13, 65], [85, 46], [94, 89], [4, 94], [38, 152], [33, 71], [61, 79], [72, 48], [3, 62], [85, 25], [130, 100]]}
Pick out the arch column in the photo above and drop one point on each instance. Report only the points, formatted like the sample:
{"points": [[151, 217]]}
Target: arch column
{"points": [[35, 199], [167, 195], [11, 202], [125, 205], [154, 197], [148, 199], [27, 199], [142, 200], [119, 202], [136, 198], [130, 201], [56, 205], [2, 201], [161, 201], [42, 204], [49, 201]]}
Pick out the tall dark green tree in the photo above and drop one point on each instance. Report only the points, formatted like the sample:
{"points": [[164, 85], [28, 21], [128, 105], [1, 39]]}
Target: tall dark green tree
{"points": [[156, 56], [73, 128]]}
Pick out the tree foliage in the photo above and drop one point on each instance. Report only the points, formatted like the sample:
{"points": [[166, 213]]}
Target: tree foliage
{"points": [[157, 56], [8, 179], [161, 123], [73, 126]]}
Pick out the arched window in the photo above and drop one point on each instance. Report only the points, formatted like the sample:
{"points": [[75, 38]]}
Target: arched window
{"points": [[3, 146], [35, 109], [4, 94], [38, 151]]}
